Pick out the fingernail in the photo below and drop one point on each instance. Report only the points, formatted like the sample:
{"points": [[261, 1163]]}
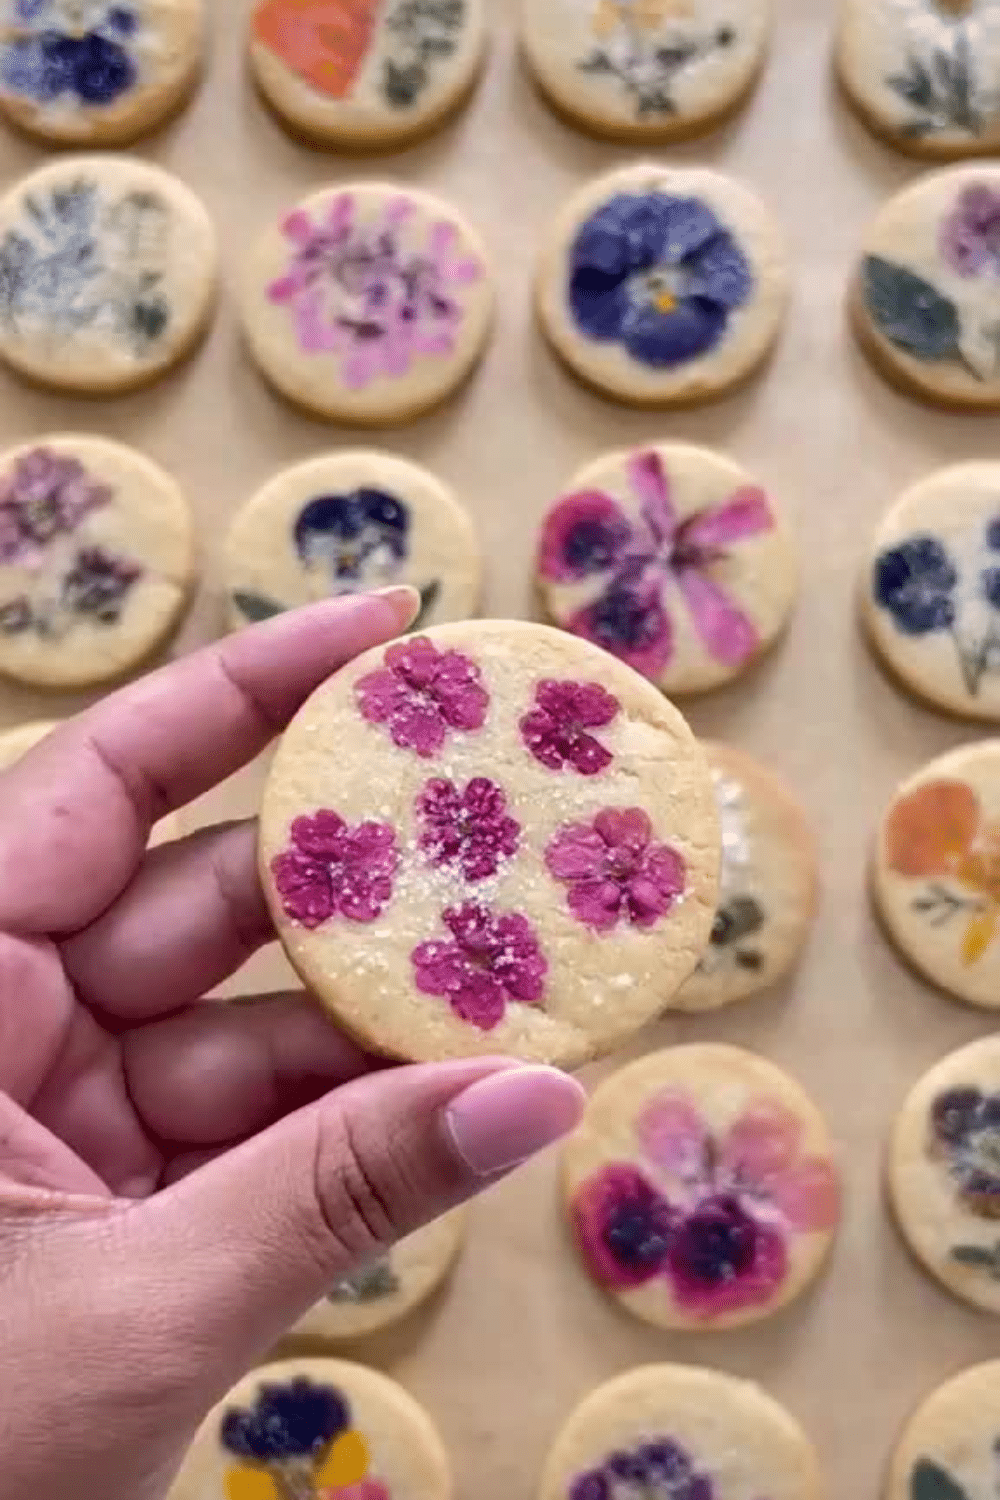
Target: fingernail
{"points": [[404, 601], [499, 1122]]}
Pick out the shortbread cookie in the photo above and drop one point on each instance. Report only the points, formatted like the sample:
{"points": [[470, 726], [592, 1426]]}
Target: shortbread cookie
{"points": [[387, 1289], [701, 1188], [944, 1172], [347, 523], [96, 560], [364, 74], [15, 743], [97, 73], [491, 838], [315, 1428], [646, 70], [683, 1433], [663, 285], [936, 873], [922, 73], [926, 295], [671, 558], [950, 1449], [767, 887], [107, 273]]}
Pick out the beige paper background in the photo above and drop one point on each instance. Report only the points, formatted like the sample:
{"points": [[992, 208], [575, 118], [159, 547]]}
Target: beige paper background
{"points": [[520, 1336]]}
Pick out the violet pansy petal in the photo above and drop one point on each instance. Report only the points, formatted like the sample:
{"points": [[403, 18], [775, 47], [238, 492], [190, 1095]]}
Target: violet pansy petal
{"points": [[600, 304], [584, 534], [721, 273], [688, 226], [662, 340], [650, 483], [636, 629], [675, 1138], [745, 514], [728, 634]]}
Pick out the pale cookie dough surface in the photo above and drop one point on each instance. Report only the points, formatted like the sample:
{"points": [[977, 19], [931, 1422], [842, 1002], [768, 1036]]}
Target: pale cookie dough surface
{"points": [[663, 285], [492, 838], [115, 273], [701, 1188], [366, 73], [348, 523], [944, 1179], [96, 560], [950, 1449], [672, 559], [646, 70], [681, 1432], [97, 73], [936, 872], [925, 298], [767, 887], [922, 73], [315, 1428], [368, 303]]}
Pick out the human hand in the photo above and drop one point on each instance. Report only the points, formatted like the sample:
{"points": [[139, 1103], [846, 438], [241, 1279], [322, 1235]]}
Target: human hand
{"points": [[181, 1180]]}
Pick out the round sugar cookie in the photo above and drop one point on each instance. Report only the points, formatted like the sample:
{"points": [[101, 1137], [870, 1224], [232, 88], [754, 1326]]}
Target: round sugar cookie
{"points": [[96, 560], [359, 74], [95, 72], [701, 1188], [767, 887], [944, 1172], [387, 1289], [663, 285], [677, 1431], [315, 1427], [368, 303], [107, 273], [936, 872], [348, 523], [646, 70], [921, 73], [672, 559], [950, 1448], [925, 299], [490, 838]]}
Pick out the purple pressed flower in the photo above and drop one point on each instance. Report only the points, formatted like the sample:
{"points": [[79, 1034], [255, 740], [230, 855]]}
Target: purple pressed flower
{"points": [[658, 1469], [493, 959], [470, 830], [623, 1226], [557, 729], [970, 234], [46, 495], [723, 1258], [334, 870], [422, 694], [98, 584], [615, 871]]}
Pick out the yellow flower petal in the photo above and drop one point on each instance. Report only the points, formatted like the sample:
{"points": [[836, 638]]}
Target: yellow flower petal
{"points": [[346, 1463], [979, 934], [249, 1484], [606, 19]]}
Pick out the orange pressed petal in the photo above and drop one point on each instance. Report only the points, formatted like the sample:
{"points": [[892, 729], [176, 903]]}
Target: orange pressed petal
{"points": [[931, 828], [324, 41], [242, 1483], [979, 934], [346, 1463]]}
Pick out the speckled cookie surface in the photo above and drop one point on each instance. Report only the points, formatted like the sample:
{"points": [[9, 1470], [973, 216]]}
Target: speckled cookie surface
{"points": [[490, 838], [701, 1188], [767, 886], [364, 74], [936, 873], [671, 558], [663, 286], [348, 523], [368, 303], [315, 1428], [951, 1446], [926, 294], [684, 1432], [944, 1178]]}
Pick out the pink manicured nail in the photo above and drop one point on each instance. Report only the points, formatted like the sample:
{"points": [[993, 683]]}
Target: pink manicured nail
{"points": [[500, 1121]]}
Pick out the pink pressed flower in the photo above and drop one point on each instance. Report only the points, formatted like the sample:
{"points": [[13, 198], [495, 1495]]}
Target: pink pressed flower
{"points": [[764, 1150], [333, 870], [623, 1227], [723, 1258], [557, 728], [494, 959], [469, 829], [45, 496], [422, 693], [615, 871], [970, 234], [584, 531]]}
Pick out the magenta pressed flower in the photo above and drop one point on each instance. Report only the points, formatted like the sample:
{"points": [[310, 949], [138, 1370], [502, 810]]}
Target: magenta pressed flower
{"points": [[493, 958], [469, 829], [970, 235], [421, 694], [615, 870], [46, 495], [334, 870], [557, 729], [623, 1225]]}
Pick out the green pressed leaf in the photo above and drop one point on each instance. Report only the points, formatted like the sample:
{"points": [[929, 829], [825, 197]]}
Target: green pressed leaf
{"points": [[931, 1482], [979, 1257], [428, 598], [254, 607], [910, 312]]}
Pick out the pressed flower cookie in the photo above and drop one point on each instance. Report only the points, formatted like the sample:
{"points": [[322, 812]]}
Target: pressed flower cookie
{"points": [[701, 1188], [671, 558], [646, 70], [96, 560], [346, 523], [936, 874], [368, 303], [950, 1449], [663, 285], [107, 273], [492, 838], [361, 74], [97, 72], [683, 1434], [944, 1172], [767, 887], [312, 1429], [926, 294]]}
